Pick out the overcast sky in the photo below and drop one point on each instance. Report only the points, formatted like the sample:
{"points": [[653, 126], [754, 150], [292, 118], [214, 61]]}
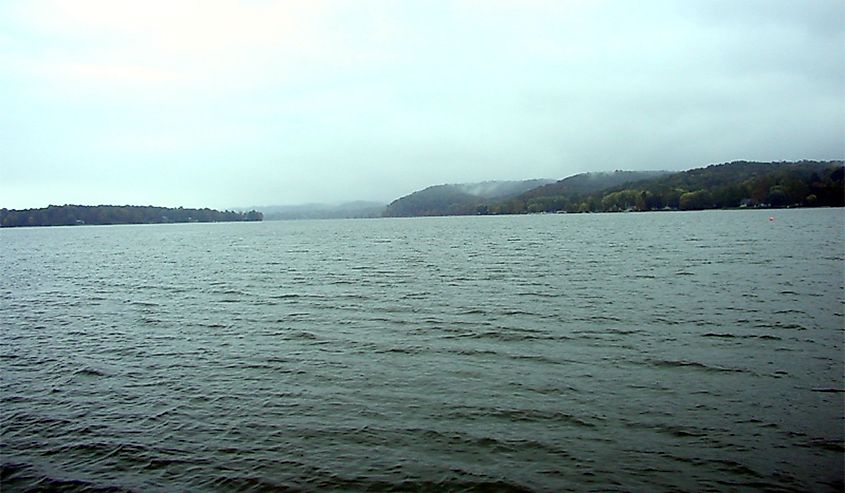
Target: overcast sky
{"points": [[236, 103]]}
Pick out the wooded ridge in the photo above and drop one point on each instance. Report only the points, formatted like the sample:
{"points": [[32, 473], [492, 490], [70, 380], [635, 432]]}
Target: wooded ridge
{"points": [[739, 184], [67, 215]]}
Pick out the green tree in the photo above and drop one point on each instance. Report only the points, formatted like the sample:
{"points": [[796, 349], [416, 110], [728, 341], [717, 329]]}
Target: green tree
{"points": [[778, 197], [698, 200]]}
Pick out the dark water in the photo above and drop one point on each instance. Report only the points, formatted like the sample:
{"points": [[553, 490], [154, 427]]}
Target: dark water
{"points": [[626, 352]]}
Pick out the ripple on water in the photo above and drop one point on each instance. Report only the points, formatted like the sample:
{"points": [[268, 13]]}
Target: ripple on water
{"points": [[533, 353]]}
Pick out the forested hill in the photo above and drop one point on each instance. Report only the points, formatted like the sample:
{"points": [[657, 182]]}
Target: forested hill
{"points": [[730, 185], [555, 196], [65, 215], [457, 199]]}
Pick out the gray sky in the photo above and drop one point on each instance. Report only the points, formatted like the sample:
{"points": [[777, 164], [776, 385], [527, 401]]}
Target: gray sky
{"points": [[235, 103]]}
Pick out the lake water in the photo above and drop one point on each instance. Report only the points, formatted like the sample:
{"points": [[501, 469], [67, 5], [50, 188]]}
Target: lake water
{"points": [[697, 351]]}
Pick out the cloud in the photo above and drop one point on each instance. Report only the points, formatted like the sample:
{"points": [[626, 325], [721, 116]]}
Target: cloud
{"points": [[134, 43], [334, 99]]}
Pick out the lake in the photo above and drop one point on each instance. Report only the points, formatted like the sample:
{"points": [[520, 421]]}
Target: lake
{"points": [[678, 351]]}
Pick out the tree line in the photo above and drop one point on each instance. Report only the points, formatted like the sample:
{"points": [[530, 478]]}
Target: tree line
{"points": [[731, 185], [68, 215]]}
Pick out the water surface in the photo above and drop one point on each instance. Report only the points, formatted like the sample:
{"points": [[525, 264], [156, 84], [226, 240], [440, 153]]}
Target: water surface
{"points": [[597, 352]]}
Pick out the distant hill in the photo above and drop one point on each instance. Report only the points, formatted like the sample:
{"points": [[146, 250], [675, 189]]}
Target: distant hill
{"points": [[67, 215], [555, 196], [728, 185], [586, 183], [457, 199], [735, 184], [348, 210]]}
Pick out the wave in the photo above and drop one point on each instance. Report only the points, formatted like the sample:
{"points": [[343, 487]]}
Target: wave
{"points": [[696, 365], [742, 336]]}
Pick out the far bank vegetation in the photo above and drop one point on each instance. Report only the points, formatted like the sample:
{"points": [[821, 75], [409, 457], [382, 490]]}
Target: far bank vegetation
{"points": [[739, 184]]}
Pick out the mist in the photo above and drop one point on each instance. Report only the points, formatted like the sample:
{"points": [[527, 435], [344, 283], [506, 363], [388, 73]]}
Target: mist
{"points": [[225, 104]]}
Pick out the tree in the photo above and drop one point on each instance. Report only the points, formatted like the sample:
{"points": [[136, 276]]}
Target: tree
{"points": [[778, 197], [698, 200]]}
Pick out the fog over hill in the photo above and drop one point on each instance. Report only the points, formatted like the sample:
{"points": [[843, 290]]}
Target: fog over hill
{"points": [[591, 182], [494, 189], [457, 199], [727, 185], [497, 197]]}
